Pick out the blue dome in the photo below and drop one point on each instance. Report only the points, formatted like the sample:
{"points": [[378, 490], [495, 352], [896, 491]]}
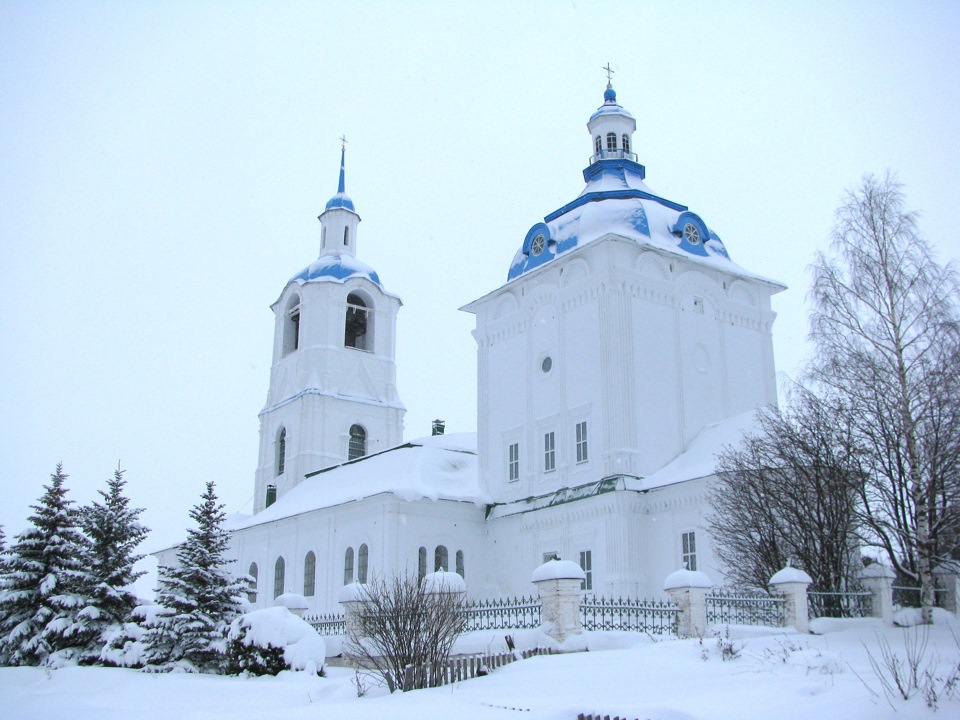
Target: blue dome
{"points": [[617, 200], [609, 95], [336, 268], [340, 200]]}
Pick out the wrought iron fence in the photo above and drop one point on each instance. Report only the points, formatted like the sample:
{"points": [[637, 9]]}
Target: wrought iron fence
{"points": [[904, 596], [855, 604], [328, 623], [739, 607], [649, 616], [502, 614]]}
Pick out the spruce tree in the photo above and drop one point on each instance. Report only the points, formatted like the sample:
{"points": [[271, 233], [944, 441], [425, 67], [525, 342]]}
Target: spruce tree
{"points": [[198, 597], [115, 532], [45, 610]]}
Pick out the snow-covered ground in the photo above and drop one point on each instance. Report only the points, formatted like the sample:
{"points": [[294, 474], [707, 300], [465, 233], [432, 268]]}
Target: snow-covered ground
{"points": [[776, 675]]}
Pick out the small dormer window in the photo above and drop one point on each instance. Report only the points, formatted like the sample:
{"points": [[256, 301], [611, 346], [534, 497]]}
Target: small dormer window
{"points": [[626, 143], [611, 142], [598, 144]]}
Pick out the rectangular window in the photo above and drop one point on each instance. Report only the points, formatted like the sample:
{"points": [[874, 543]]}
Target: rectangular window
{"points": [[513, 462], [582, 442], [586, 564], [549, 452], [689, 557]]}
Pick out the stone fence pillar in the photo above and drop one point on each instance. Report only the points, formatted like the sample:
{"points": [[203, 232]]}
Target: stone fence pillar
{"points": [[948, 580], [878, 580], [688, 590], [558, 584], [792, 584], [352, 597]]}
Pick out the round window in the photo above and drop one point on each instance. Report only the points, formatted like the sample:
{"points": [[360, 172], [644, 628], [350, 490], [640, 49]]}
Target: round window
{"points": [[547, 364], [539, 243], [691, 233]]}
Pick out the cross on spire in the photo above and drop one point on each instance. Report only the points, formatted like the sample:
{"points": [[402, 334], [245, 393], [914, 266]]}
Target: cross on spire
{"points": [[610, 72], [343, 142]]}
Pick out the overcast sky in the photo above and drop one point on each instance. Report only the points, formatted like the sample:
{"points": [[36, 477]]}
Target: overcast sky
{"points": [[162, 165]]}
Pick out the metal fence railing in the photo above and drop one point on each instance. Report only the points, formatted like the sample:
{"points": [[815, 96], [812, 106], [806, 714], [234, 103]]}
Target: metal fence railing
{"points": [[502, 614], [648, 616], [856, 604], [738, 607]]}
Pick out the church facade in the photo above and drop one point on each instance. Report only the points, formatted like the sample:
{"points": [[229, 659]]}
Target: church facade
{"points": [[624, 350]]}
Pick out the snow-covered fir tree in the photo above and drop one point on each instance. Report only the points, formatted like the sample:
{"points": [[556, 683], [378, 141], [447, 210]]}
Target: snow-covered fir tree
{"points": [[45, 608], [198, 596], [115, 532]]}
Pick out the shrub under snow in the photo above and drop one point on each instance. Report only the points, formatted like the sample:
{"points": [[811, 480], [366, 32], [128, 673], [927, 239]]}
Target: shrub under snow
{"points": [[265, 642]]}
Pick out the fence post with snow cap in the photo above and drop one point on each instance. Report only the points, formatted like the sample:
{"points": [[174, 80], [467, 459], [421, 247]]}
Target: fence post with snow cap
{"points": [[792, 584], [688, 590], [559, 586]]}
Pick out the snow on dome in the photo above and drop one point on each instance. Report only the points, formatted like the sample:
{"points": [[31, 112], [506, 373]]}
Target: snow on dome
{"points": [[340, 200], [352, 592], [335, 268], [558, 570], [790, 575], [442, 582], [303, 648], [291, 601], [687, 578]]}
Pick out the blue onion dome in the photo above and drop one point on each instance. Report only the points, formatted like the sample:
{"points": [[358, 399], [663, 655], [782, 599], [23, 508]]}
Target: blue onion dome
{"points": [[609, 95], [336, 268]]}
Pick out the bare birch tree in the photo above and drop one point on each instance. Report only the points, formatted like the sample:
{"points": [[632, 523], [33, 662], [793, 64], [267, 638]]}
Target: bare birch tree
{"points": [[886, 334]]}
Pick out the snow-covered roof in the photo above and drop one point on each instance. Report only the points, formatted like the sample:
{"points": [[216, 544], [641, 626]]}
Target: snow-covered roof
{"points": [[335, 268], [700, 458], [443, 467], [340, 200]]}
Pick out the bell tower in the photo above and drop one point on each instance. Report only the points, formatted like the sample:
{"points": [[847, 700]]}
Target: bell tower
{"points": [[332, 395]]}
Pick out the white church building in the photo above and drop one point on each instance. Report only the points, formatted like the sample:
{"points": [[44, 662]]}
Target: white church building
{"points": [[624, 350]]}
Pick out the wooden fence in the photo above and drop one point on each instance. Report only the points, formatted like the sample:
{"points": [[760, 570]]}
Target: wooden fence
{"points": [[416, 677]]}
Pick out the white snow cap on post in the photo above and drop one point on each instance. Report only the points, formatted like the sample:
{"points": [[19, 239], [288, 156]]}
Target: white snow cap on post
{"points": [[292, 601], [558, 570], [687, 578], [353, 592], [877, 570], [443, 582], [791, 574]]}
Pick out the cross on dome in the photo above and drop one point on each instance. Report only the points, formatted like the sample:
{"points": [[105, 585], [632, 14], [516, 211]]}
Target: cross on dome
{"points": [[610, 72]]}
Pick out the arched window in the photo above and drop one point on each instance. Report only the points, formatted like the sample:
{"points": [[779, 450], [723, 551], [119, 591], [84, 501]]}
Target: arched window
{"points": [[309, 574], [279, 570], [346, 236], [254, 573], [422, 563], [356, 327], [281, 450], [348, 566], [357, 446], [460, 563], [626, 143], [611, 142], [291, 325], [362, 554], [598, 145], [323, 236], [441, 560]]}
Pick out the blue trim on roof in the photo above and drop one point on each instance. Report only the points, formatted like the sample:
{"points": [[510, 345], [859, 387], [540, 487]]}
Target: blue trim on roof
{"points": [[612, 195], [617, 166], [341, 199]]}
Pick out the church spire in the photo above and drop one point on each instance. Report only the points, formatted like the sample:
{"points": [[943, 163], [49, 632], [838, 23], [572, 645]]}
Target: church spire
{"points": [[338, 221]]}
